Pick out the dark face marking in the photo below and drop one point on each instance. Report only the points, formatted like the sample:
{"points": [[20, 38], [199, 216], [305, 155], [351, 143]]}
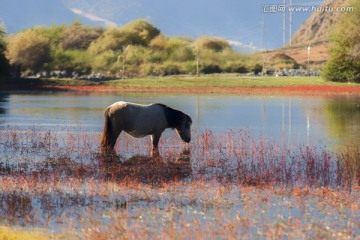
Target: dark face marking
{"points": [[185, 129], [178, 120]]}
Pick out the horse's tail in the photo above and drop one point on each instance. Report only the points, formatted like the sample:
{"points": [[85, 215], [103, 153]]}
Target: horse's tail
{"points": [[106, 134]]}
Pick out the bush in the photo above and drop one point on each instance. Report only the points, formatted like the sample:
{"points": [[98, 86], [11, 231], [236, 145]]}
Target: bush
{"points": [[182, 54], [235, 67], [212, 43], [169, 69], [257, 69], [344, 63], [211, 69], [29, 50], [338, 69]]}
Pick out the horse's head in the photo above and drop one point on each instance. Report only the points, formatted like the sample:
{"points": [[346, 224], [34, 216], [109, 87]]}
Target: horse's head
{"points": [[184, 129]]}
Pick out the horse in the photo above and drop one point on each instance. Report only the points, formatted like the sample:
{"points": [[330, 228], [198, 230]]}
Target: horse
{"points": [[142, 120]]}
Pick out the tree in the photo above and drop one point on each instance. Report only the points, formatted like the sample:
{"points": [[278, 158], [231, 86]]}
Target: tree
{"points": [[28, 50], [70, 60], [159, 42], [344, 63], [4, 63], [79, 37], [54, 33], [135, 48], [138, 32], [212, 43]]}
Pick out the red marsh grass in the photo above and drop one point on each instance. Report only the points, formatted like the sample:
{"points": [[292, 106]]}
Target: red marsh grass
{"points": [[228, 185], [286, 90], [222, 83]]}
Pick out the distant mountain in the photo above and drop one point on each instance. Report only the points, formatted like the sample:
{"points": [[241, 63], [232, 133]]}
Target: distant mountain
{"points": [[314, 32], [318, 26], [243, 23]]}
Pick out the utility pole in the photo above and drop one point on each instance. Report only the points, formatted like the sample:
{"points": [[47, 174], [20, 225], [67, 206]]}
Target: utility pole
{"points": [[290, 23], [263, 47], [284, 24], [262, 31], [308, 59], [197, 54], [124, 53]]}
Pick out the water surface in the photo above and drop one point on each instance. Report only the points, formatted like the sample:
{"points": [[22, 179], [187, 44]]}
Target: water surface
{"points": [[320, 120]]}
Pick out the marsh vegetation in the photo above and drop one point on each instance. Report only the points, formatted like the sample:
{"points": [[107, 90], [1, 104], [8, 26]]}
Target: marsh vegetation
{"points": [[227, 185]]}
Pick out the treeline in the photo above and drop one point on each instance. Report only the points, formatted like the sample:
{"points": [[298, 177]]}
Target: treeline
{"points": [[135, 49]]}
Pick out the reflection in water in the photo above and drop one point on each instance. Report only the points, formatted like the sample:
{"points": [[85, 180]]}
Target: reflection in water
{"points": [[343, 118], [3, 102], [148, 169], [313, 120]]}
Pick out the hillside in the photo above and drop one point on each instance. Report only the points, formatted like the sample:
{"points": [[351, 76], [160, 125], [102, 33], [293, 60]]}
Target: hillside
{"points": [[318, 26], [319, 54], [314, 32]]}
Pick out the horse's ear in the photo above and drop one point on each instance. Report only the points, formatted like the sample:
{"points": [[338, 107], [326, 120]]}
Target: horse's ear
{"points": [[190, 120]]}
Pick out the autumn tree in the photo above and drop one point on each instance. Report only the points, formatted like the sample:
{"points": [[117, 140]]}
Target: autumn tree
{"points": [[28, 50], [137, 48], [212, 43], [78, 36], [71, 60], [208, 52], [179, 49], [158, 42], [344, 63], [116, 42], [54, 33], [138, 32]]}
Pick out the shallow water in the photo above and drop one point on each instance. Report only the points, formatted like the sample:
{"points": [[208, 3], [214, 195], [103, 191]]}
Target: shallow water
{"points": [[53, 176], [332, 121]]}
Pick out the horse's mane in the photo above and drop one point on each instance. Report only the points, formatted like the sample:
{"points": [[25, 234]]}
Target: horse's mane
{"points": [[174, 117]]}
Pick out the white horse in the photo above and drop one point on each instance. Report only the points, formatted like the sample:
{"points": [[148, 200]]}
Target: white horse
{"points": [[142, 120]]}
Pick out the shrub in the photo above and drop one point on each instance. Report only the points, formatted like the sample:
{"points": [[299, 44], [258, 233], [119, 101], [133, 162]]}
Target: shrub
{"points": [[212, 43], [344, 63], [235, 67], [208, 69]]}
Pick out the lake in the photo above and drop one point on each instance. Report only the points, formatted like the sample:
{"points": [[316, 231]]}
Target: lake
{"points": [[54, 177], [329, 120]]}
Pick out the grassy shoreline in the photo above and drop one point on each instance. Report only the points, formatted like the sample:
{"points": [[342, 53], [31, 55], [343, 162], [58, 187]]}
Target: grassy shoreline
{"points": [[187, 84]]}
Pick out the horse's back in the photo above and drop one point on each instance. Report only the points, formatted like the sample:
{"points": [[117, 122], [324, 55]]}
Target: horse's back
{"points": [[129, 109], [136, 119]]}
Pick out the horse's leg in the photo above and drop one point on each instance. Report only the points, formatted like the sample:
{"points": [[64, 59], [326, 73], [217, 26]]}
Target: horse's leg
{"points": [[109, 151], [155, 142], [114, 136], [155, 139]]}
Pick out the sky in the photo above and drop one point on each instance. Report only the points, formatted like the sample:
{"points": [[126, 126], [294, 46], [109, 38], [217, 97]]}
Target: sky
{"points": [[247, 24]]}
